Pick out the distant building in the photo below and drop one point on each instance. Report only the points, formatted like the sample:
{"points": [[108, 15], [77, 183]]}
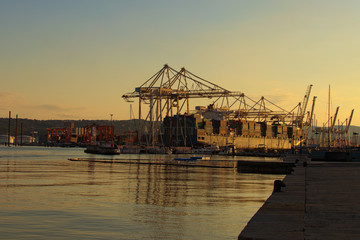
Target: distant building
{"points": [[90, 134], [25, 139], [4, 139]]}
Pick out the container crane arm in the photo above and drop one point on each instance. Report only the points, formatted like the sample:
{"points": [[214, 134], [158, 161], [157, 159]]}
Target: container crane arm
{"points": [[334, 121], [348, 125], [305, 101], [309, 120]]}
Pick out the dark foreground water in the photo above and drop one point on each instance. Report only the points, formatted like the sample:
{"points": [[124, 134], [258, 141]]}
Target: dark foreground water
{"points": [[45, 196]]}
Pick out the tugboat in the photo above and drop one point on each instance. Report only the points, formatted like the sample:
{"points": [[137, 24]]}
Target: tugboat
{"points": [[107, 149]]}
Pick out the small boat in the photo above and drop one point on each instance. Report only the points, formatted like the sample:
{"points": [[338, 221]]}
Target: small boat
{"points": [[158, 150], [210, 149], [102, 149]]}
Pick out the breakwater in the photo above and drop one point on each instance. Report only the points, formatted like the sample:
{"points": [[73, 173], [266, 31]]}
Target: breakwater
{"points": [[165, 162]]}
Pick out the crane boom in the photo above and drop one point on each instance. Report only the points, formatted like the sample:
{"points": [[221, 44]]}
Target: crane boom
{"points": [[348, 125], [305, 101], [334, 121], [312, 112]]}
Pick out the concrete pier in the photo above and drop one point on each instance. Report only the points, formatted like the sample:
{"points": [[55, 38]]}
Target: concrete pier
{"points": [[265, 167], [320, 201]]}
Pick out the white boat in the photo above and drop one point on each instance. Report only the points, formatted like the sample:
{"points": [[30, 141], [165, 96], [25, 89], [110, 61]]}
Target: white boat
{"points": [[211, 149]]}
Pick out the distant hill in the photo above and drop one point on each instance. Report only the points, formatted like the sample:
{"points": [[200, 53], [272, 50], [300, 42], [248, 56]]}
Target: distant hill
{"points": [[31, 125]]}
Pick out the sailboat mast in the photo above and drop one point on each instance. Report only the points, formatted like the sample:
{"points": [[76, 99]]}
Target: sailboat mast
{"points": [[329, 119]]}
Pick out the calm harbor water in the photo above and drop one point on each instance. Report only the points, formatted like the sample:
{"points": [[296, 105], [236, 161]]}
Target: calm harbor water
{"points": [[45, 196]]}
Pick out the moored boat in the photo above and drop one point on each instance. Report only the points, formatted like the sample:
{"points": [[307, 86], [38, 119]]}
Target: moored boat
{"points": [[102, 149]]}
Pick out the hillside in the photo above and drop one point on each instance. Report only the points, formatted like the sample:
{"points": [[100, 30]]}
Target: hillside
{"points": [[40, 126]]}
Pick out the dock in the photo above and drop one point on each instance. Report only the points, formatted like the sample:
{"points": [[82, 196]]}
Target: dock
{"points": [[265, 167], [320, 201]]}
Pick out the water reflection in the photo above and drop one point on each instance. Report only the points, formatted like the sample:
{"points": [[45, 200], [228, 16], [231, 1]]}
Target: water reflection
{"points": [[180, 186], [44, 194]]}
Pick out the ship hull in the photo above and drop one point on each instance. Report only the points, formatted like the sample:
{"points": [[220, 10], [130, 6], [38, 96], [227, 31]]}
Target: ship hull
{"points": [[94, 149], [244, 142]]}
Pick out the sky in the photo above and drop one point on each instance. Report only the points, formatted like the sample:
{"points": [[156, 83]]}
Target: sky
{"points": [[75, 59]]}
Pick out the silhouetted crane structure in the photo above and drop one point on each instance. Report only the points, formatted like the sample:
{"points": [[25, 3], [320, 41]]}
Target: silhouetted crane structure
{"points": [[168, 92], [335, 135], [308, 125]]}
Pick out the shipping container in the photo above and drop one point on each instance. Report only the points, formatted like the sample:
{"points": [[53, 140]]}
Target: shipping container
{"points": [[290, 132]]}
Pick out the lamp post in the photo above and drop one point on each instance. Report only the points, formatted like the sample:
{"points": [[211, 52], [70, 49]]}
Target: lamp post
{"points": [[9, 133]]}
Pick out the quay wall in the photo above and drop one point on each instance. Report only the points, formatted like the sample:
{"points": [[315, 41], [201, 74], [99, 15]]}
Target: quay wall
{"points": [[320, 201], [282, 215]]}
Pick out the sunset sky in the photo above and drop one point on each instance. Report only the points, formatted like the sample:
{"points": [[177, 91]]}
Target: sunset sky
{"points": [[75, 59]]}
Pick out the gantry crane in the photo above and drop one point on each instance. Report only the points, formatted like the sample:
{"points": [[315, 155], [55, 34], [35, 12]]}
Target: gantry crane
{"points": [[308, 125], [348, 128], [167, 93], [299, 121]]}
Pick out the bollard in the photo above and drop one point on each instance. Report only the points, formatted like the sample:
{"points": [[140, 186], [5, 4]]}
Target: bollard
{"points": [[278, 184]]}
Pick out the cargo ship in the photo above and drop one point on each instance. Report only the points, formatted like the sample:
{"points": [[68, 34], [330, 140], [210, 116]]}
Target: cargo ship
{"points": [[208, 127], [231, 120]]}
